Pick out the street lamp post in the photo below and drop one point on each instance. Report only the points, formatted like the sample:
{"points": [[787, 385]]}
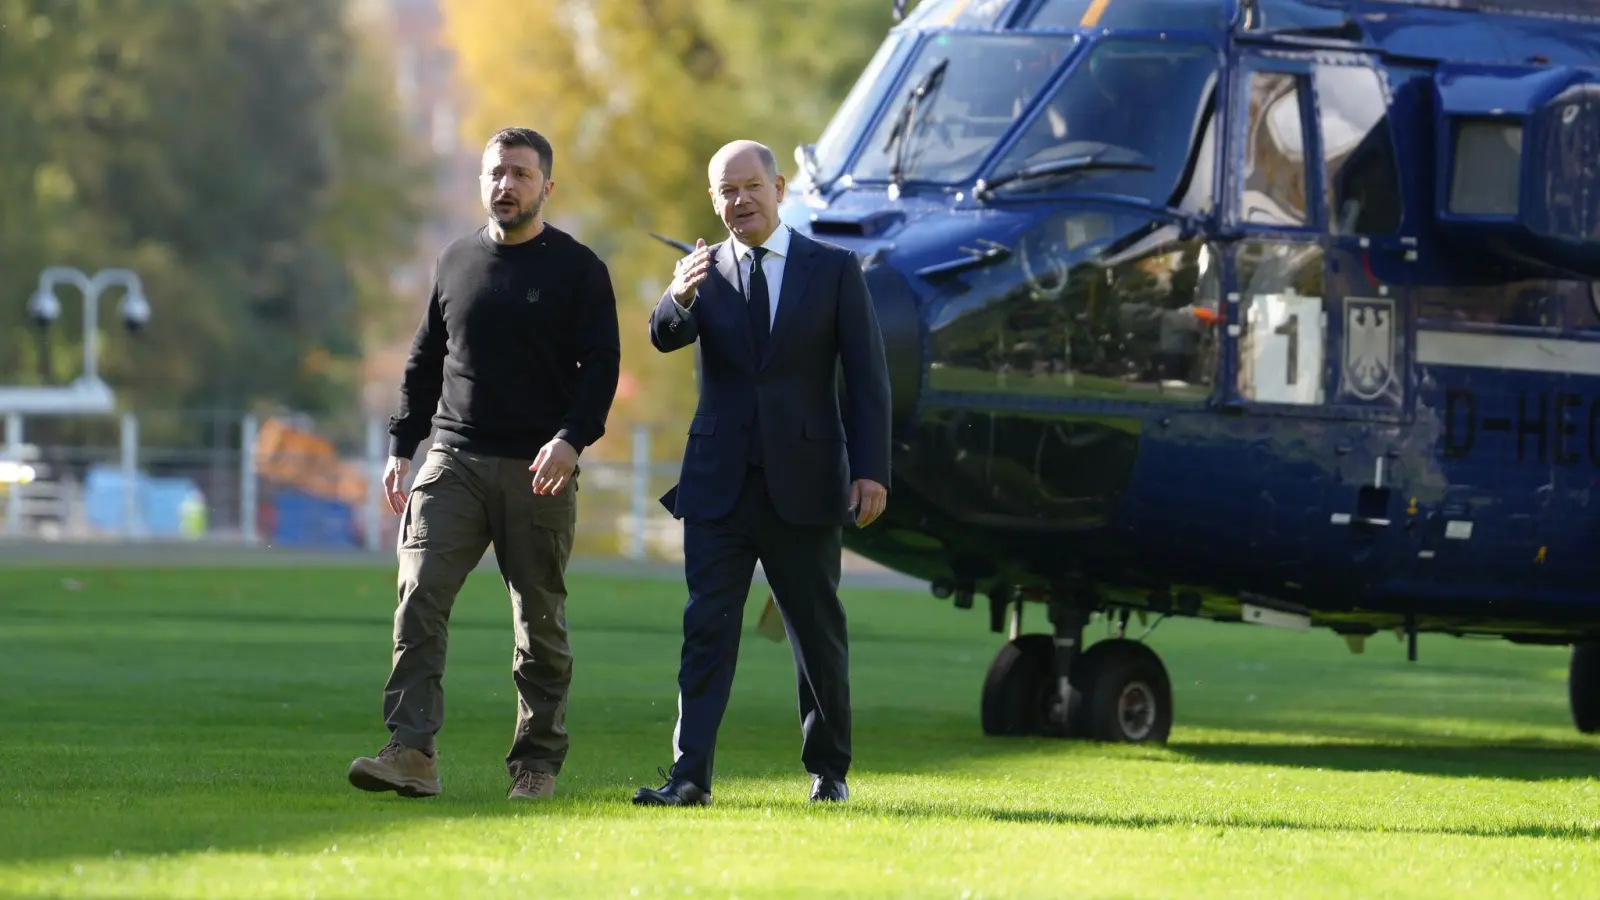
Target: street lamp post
{"points": [[88, 393], [135, 309]]}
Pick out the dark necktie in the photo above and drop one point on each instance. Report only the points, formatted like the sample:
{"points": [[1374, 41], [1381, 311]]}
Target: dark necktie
{"points": [[759, 305]]}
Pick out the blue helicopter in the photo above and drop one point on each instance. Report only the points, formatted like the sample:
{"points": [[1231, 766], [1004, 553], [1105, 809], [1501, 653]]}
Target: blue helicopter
{"points": [[1268, 311]]}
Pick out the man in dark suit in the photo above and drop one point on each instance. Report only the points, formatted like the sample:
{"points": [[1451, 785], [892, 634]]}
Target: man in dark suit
{"points": [[771, 471]]}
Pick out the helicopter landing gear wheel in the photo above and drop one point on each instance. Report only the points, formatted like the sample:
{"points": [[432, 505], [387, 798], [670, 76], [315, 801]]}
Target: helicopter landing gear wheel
{"points": [[1116, 691], [1127, 694], [1583, 686], [1016, 692]]}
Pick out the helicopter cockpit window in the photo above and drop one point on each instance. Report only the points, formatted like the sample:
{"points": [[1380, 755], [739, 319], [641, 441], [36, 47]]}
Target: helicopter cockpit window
{"points": [[974, 87], [1542, 303], [1123, 122], [1485, 152], [836, 141], [1275, 158], [1168, 15], [1361, 177], [1095, 304]]}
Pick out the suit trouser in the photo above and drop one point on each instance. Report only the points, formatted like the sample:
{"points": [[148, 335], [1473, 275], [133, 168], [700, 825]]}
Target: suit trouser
{"points": [[802, 566], [459, 504]]}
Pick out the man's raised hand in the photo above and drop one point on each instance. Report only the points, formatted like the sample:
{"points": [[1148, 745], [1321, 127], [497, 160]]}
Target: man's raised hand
{"points": [[689, 272]]}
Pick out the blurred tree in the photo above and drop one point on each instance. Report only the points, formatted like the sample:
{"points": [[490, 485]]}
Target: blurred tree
{"points": [[636, 95], [241, 155]]}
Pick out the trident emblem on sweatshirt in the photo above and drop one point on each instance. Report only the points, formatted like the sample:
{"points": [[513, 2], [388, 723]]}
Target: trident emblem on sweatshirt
{"points": [[533, 295]]}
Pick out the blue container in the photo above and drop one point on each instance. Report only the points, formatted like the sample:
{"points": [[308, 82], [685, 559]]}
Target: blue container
{"points": [[302, 520], [160, 501]]}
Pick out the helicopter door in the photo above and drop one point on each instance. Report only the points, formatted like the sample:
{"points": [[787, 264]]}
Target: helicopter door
{"points": [[1368, 259], [1317, 345], [1279, 261]]}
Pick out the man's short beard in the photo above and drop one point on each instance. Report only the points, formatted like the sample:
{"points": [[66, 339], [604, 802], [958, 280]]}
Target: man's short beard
{"points": [[518, 219], [514, 221]]}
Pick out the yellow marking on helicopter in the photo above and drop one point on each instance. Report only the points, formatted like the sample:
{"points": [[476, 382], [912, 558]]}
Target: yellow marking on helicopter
{"points": [[1091, 16], [955, 11]]}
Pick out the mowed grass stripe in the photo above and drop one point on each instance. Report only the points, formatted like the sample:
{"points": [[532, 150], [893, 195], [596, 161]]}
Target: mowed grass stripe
{"points": [[186, 734]]}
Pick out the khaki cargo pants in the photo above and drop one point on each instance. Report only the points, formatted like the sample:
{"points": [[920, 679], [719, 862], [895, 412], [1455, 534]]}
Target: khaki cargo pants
{"points": [[459, 504]]}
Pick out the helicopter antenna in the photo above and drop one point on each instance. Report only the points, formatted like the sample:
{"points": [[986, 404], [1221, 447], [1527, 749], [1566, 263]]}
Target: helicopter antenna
{"points": [[686, 248]]}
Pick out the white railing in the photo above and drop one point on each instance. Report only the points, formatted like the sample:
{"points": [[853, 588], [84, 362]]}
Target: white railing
{"points": [[89, 492]]}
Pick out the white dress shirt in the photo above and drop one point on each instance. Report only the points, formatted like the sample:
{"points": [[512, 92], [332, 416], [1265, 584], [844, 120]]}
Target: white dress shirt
{"points": [[772, 264]]}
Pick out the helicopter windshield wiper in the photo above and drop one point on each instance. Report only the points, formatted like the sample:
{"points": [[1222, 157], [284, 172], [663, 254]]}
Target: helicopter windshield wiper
{"points": [[899, 138], [1058, 167]]}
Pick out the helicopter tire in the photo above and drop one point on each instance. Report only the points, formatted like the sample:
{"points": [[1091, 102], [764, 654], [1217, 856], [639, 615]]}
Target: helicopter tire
{"points": [[1016, 697], [1127, 696], [1583, 686]]}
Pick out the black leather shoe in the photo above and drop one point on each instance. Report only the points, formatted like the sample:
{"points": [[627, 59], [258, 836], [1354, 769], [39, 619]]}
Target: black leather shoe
{"points": [[828, 789], [676, 792]]}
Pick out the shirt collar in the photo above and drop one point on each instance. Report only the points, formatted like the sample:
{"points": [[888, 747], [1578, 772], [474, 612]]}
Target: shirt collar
{"points": [[777, 244]]}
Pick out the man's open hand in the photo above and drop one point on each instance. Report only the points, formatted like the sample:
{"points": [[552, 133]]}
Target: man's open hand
{"points": [[689, 272], [869, 498], [394, 483], [553, 467]]}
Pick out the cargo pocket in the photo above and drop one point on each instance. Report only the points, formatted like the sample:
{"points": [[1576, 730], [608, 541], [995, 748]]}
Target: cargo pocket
{"points": [[422, 499]]}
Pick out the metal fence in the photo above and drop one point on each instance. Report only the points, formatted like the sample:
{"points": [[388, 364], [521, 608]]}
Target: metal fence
{"points": [[285, 481]]}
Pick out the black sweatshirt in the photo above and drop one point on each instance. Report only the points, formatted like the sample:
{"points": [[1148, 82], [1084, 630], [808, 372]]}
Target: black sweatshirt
{"points": [[519, 345]]}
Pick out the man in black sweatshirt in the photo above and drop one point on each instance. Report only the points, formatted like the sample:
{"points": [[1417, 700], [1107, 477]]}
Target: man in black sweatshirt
{"points": [[515, 363]]}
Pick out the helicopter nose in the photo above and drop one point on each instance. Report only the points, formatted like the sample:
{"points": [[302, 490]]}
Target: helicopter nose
{"points": [[900, 321]]}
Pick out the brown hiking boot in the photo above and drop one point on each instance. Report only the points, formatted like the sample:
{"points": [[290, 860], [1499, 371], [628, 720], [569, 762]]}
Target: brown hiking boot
{"points": [[404, 770], [531, 785]]}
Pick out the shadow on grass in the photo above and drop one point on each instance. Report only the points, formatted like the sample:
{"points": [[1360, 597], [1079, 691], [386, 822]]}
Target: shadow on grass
{"points": [[1141, 821], [1565, 832], [1516, 760], [935, 743]]}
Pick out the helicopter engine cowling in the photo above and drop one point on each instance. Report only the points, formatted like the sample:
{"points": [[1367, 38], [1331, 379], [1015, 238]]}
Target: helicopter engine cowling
{"points": [[1541, 123]]}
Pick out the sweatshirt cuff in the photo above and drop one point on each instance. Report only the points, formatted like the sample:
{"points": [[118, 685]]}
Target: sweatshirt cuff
{"points": [[571, 437], [404, 448]]}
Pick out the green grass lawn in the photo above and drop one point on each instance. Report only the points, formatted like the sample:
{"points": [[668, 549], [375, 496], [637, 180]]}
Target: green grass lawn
{"points": [[186, 734]]}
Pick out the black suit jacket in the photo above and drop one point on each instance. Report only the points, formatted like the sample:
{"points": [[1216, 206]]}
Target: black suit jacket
{"points": [[825, 321]]}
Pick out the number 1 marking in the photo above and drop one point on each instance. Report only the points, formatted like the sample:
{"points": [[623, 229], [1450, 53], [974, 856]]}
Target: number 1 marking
{"points": [[1291, 327]]}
